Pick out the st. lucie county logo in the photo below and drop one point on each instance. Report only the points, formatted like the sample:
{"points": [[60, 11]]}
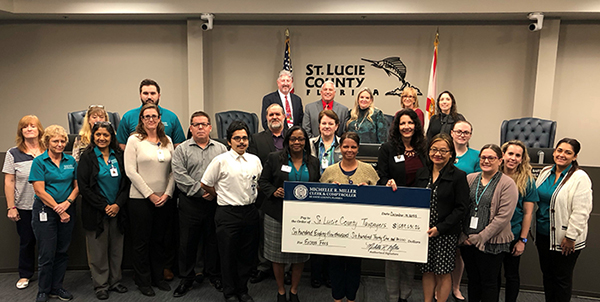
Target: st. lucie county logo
{"points": [[300, 192]]}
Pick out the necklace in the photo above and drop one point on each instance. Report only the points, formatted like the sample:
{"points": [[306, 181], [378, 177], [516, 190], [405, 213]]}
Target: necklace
{"points": [[357, 125]]}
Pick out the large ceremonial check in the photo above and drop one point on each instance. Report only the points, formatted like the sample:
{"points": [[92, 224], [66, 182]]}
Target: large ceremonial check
{"points": [[359, 221]]}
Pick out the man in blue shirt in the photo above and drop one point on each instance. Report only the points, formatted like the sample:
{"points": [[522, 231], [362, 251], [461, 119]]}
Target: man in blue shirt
{"points": [[150, 93]]}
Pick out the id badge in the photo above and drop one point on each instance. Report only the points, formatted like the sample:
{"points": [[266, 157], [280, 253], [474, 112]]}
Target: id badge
{"points": [[399, 158], [286, 168], [43, 217], [113, 171], [161, 156], [474, 221], [324, 163]]}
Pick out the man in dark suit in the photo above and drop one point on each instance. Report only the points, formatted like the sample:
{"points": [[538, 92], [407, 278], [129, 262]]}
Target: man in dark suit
{"points": [[310, 123], [261, 144], [291, 103]]}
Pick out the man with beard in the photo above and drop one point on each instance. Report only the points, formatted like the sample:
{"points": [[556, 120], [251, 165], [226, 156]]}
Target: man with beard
{"points": [[291, 103], [233, 177], [261, 145], [310, 122], [150, 93], [196, 206]]}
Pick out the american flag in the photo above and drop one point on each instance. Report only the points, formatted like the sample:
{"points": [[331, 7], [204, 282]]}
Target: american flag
{"points": [[287, 57]]}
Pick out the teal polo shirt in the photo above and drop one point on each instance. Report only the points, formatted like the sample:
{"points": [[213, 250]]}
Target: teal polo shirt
{"points": [[531, 195], [130, 120], [545, 191], [468, 162], [58, 181], [109, 185]]}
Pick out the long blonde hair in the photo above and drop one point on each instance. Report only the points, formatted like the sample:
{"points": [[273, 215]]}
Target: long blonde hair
{"points": [[86, 130], [522, 175], [356, 108], [24, 122]]}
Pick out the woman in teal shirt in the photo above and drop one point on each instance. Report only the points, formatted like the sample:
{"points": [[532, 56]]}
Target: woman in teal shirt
{"points": [[565, 193], [366, 120], [53, 175]]}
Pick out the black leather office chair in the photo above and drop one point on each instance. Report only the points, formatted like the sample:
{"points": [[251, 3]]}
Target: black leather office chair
{"points": [[225, 118], [533, 132], [76, 120]]}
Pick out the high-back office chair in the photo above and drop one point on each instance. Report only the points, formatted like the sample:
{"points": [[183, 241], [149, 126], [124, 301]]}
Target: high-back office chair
{"points": [[533, 132], [225, 118], [76, 120]]}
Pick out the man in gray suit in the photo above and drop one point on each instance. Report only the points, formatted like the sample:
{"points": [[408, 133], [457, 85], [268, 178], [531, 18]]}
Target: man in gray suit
{"points": [[310, 122]]}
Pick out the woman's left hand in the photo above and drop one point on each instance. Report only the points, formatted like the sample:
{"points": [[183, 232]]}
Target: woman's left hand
{"points": [[567, 246], [279, 193], [518, 249], [433, 232], [163, 199], [112, 210], [391, 183], [62, 207]]}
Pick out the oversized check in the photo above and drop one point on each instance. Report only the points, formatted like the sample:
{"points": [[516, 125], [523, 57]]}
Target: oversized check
{"points": [[359, 221]]}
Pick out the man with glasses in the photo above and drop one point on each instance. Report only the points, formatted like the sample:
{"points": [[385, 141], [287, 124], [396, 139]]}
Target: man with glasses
{"points": [[196, 206], [233, 177], [150, 93]]}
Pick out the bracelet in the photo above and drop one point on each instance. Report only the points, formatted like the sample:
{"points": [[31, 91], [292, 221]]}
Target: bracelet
{"points": [[70, 200], [8, 209]]}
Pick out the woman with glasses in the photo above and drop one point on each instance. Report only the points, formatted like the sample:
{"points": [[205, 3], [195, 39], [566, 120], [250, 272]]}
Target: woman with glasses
{"points": [[105, 190], [366, 120], [565, 205], [446, 115], [293, 163], [486, 228], [148, 166], [398, 162], [409, 100], [515, 164], [95, 113], [345, 271], [19, 192], [449, 198]]}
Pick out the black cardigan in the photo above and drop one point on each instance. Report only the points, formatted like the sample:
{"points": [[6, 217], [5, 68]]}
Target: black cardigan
{"points": [[388, 168], [93, 203], [452, 194], [437, 126], [272, 178]]}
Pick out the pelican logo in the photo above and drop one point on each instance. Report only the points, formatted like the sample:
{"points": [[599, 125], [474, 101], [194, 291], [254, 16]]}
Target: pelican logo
{"points": [[393, 66], [300, 192]]}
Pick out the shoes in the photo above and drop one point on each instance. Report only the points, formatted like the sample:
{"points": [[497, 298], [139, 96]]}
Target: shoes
{"points": [[61, 294], [294, 297], [162, 285], [119, 288], [457, 299], [102, 294], [315, 283], [41, 297], [168, 274], [217, 284], [281, 298], [147, 291], [232, 299], [199, 277], [23, 283], [287, 278], [182, 289], [246, 298], [259, 276]]}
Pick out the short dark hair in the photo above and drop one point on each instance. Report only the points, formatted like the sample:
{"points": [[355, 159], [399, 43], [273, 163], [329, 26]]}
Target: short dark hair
{"points": [[149, 82], [442, 137], [235, 126], [350, 135], [286, 143], [331, 114], [199, 113]]}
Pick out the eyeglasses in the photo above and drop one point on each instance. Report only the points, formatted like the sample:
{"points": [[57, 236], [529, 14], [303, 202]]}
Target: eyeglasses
{"points": [[297, 139], [238, 139], [96, 106], [433, 151], [408, 97], [204, 125], [151, 117], [491, 159], [462, 133]]}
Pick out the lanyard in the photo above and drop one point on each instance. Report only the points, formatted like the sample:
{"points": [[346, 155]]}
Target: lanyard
{"points": [[477, 200]]}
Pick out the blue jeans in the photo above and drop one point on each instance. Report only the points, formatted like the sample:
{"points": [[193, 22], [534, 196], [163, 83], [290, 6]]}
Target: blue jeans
{"points": [[54, 238]]}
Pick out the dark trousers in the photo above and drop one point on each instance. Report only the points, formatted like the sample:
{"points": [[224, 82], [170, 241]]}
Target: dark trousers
{"points": [[148, 225], [511, 273], [319, 268], [345, 276], [237, 235], [557, 270], [483, 271], [172, 233], [54, 238], [26, 245], [197, 224]]}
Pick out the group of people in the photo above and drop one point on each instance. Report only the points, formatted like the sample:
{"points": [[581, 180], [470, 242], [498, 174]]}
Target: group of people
{"points": [[146, 179]]}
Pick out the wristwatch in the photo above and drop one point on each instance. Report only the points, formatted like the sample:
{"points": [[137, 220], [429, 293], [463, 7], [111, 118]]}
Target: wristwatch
{"points": [[524, 240]]}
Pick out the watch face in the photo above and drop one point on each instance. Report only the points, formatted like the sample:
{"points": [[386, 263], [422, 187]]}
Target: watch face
{"points": [[524, 240]]}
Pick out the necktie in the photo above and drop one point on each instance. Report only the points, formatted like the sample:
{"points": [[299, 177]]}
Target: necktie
{"points": [[288, 113]]}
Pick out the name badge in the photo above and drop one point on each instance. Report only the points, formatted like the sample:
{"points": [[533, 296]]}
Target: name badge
{"points": [[324, 163], [399, 158], [43, 217], [473, 223], [113, 171], [286, 168], [161, 156]]}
